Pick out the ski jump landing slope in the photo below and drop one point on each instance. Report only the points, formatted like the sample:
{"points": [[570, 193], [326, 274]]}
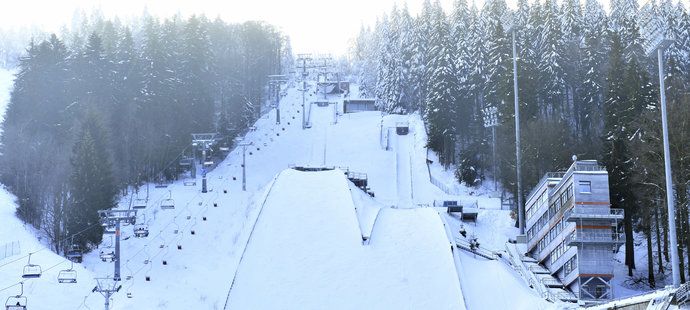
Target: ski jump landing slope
{"points": [[306, 252]]}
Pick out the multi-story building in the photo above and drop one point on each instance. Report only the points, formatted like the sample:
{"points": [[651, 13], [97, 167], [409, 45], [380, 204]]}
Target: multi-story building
{"points": [[572, 229]]}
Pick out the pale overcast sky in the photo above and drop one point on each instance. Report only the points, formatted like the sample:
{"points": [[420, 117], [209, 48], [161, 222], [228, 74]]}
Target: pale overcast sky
{"points": [[313, 25]]}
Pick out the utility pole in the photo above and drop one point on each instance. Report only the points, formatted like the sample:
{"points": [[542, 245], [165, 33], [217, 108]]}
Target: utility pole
{"points": [[204, 141], [658, 39], [107, 287], [113, 218]]}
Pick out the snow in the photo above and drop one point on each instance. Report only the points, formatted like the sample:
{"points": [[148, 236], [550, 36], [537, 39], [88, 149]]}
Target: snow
{"points": [[295, 239], [307, 253]]}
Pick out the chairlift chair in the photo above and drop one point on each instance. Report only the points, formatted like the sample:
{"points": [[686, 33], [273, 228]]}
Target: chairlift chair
{"points": [[141, 231], [74, 253], [109, 230], [67, 275], [185, 162], [17, 302], [139, 203], [167, 204], [162, 182], [107, 257], [31, 271]]}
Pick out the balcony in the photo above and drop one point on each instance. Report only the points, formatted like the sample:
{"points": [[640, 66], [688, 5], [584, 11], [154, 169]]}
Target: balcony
{"points": [[579, 237], [596, 213]]}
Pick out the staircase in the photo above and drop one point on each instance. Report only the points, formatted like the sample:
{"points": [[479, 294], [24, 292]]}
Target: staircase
{"points": [[465, 245], [538, 277]]}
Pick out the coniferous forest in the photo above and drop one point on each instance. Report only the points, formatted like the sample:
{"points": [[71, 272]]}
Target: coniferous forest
{"points": [[107, 106], [586, 88]]}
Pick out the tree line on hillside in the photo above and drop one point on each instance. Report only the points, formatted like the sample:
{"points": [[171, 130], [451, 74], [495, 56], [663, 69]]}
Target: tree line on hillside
{"points": [[586, 88], [108, 106]]}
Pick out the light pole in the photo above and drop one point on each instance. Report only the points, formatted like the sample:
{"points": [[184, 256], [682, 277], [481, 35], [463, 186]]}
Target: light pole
{"points": [[510, 27], [657, 40], [491, 120], [244, 145]]}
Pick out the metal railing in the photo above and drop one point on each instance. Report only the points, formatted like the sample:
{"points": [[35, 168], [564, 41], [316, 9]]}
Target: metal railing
{"points": [[596, 212], [585, 237], [581, 166]]}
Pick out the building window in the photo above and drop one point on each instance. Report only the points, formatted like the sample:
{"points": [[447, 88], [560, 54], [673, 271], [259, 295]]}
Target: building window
{"points": [[585, 187]]}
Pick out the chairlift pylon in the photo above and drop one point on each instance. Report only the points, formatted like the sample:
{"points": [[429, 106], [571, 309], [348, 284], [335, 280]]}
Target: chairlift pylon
{"points": [[31, 270], [17, 302]]}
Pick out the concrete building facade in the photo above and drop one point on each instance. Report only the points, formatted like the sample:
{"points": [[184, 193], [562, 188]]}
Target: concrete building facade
{"points": [[573, 231]]}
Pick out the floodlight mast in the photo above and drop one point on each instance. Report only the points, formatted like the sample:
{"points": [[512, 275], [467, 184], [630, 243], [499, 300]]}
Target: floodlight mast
{"points": [[510, 27], [657, 40], [491, 121]]}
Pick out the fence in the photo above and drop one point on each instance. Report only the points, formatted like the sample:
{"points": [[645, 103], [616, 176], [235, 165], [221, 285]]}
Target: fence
{"points": [[10, 249], [445, 188]]}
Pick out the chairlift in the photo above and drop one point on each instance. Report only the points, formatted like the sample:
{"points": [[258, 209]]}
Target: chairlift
{"points": [[185, 162], [31, 270], [109, 230], [141, 231], [169, 203], [67, 275], [17, 302], [74, 253], [162, 182], [139, 203], [107, 256]]}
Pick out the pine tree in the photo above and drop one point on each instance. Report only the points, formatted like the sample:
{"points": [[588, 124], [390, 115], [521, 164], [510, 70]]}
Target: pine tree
{"points": [[591, 89], [571, 27], [552, 75], [407, 45], [461, 23], [91, 183], [442, 95]]}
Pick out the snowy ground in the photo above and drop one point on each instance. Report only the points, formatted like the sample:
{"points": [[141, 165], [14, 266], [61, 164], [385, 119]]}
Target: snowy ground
{"points": [[301, 233], [307, 252]]}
